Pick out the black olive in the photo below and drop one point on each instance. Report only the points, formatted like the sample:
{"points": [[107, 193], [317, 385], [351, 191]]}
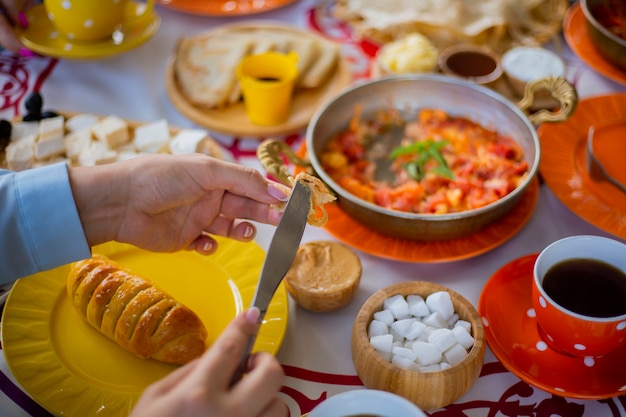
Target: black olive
{"points": [[32, 117], [48, 114], [34, 102], [5, 129]]}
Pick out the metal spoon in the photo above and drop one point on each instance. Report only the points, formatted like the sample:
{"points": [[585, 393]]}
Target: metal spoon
{"points": [[594, 166]]}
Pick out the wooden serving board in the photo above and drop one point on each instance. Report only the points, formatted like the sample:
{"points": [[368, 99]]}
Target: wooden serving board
{"points": [[233, 120]]}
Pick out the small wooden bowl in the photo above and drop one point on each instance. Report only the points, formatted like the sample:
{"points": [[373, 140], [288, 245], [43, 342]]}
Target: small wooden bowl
{"points": [[428, 390], [324, 276]]}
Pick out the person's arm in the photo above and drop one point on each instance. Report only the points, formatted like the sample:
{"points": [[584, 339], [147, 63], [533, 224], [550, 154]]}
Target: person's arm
{"points": [[166, 203], [39, 223]]}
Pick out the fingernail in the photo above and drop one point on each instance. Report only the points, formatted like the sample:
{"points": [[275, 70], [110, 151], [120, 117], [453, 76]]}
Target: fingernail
{"points": [[22, 19], [252, 315], [249, 231], [207, 246], [278, 191], [26, 52]]}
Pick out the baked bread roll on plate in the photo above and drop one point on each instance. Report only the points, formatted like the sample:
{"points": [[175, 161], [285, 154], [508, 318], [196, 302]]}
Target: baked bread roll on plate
{"points": [[134, 313]]}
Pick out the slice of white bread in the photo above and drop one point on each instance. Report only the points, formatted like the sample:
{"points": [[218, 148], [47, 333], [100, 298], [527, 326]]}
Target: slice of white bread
{"points": [[205, 65]]}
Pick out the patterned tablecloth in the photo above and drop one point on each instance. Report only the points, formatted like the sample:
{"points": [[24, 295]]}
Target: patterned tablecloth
{"points": [[316, 348]]}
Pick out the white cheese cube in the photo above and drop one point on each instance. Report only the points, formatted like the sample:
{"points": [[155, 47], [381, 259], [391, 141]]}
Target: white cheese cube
{"points": [[377, 328], [97, 153], [126, 155], [47, 148], [426, 354], [397, 305], [80, 122], [442, 339], [455, 354], [75, 142], [152, 136], [20, 130], [417, 306], [20, 155], [111, 130], [187, 141], [51, 128], [385, 316], [441, 302]]}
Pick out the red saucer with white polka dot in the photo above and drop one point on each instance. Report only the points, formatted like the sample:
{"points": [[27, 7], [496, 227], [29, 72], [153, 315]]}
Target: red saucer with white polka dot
{"points": [[506, 309]]}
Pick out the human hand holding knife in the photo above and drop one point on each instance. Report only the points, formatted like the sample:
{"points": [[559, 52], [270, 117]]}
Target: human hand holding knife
{"points": [[281, 253]]}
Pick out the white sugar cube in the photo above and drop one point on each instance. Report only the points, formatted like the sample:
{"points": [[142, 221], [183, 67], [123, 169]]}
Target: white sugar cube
{"points": [[463, 337], [452, 320], [455, 354], [416, 329], [417, 306], [465, 324], [385, 316], [382, 343], [442, 339], [404, 363], [441, 302], [397, 305], [404, 352], [377, 328], [402, 326], [397, 337], [426, 354], [435, 319]]}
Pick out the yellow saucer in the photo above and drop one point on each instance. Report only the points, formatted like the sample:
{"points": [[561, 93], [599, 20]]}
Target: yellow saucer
{"points": [[42, 37]]}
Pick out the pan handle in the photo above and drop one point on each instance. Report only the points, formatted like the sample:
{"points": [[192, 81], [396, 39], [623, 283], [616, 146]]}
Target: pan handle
{"points": [[272, 154], [560, 89]]}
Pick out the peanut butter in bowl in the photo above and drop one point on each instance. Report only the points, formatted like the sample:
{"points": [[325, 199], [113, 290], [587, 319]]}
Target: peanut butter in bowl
{"points": [[324, 276]]}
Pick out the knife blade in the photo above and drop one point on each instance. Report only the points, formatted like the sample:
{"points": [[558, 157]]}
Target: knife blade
{"points": [[280, 255]]}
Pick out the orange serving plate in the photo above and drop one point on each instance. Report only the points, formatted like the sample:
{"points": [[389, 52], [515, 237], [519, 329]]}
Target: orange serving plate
{"points": [[224, 7], [563, 168], [577, 37]]}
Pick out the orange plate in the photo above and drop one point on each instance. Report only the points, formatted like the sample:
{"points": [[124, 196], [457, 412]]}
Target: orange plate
{"points": [[577, 37], [505, 306], [563, 167], [224, 7], [356, 235], [232, 120]]}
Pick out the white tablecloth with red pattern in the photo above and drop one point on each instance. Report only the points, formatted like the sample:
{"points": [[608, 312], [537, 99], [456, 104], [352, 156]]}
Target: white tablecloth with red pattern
{"points": [[316, 349]]}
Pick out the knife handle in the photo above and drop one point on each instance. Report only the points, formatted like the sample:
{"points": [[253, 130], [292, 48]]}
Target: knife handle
{"points": [[243, 362]]}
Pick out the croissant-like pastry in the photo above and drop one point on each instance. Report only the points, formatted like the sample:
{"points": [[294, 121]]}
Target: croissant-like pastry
{"points": [[135, 314]]}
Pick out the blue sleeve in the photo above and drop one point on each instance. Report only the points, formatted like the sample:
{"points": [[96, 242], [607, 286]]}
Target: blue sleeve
{"points": [[39, 222]]}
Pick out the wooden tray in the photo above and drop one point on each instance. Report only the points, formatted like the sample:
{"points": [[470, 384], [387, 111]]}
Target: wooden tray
{"points": [[233, 120]]}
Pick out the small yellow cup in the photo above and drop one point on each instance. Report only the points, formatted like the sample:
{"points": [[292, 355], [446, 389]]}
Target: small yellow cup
{"points": [[91, 20], [267, 81]]}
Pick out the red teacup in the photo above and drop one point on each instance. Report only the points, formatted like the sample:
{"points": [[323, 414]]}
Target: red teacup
{"points": [[579, 295]]}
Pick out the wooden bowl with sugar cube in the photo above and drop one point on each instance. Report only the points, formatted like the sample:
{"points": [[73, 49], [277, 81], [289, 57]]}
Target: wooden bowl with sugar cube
{"points": [[420, 340]]}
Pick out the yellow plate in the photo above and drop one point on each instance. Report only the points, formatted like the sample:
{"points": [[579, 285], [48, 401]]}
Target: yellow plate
{"points": [[42, 37], [71, 369]]}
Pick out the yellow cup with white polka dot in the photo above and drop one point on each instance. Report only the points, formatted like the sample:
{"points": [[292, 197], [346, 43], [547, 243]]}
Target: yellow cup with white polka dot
{"points": [[94, 20]]}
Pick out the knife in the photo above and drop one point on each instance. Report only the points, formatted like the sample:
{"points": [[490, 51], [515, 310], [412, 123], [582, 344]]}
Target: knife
{"points": [[280, 255]]}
